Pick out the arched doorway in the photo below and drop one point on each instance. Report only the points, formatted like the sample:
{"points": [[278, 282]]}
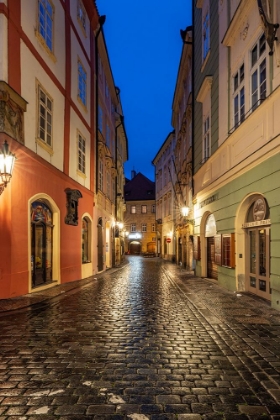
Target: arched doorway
{"points": [[257, 247], [210, 232], [100, 244], [41, 243], [253, 243], [135, 248]]}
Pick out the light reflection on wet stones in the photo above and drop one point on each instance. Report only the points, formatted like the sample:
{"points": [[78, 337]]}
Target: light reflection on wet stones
{"points": [[129, 343]]}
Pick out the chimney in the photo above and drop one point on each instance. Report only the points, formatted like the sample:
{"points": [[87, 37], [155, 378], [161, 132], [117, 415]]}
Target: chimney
{"points": [[133, 173]]}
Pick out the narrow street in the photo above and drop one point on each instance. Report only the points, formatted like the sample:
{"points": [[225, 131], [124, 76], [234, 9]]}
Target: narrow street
{"points": [[146, 341]]}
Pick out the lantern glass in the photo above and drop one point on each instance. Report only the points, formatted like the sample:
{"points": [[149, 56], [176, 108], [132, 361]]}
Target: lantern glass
{"points": [[185, 211], [7, 161]]}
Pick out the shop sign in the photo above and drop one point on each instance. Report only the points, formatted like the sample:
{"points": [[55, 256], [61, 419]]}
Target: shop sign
{"points": [[209, 200], [134, 236], [257, 223]]}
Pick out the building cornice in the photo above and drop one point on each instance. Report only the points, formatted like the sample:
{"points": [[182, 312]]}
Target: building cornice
{"points": [[204, 89]]}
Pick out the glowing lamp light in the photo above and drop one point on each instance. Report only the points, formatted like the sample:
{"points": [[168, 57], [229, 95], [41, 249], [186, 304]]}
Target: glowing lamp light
{"points": [[7, 161], [185, 211]]}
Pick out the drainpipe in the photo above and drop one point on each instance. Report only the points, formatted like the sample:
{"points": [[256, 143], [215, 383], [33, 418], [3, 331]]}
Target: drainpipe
{"points": [[116, 194], [101, 23]]}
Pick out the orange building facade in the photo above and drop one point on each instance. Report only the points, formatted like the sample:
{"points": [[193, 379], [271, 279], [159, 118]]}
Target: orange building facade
{"points": [[48, 117]]}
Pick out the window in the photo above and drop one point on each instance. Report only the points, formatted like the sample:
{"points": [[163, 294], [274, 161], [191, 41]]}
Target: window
{"points": [[82, 154], [144, 227], [206, 139], [85, 240], [133, 227], [153, 208], [108, 184], [100, 119], [45, 117], [258, 73], [133, 209], [143, 209], [206, 35], [239, 96], [100, 180], [153, 227], [81, 14], [82, 84], [45, 22], [228, 250]]}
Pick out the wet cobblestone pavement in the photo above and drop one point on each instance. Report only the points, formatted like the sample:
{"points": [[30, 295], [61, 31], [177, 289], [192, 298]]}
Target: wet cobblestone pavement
{"points": [[146, 341]]}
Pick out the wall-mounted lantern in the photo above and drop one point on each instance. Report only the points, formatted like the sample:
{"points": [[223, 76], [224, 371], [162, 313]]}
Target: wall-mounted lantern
{"points": [[7, 161]]}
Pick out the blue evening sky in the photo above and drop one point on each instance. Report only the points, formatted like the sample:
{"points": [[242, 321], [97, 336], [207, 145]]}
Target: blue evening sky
{"points": [[144, 46]]}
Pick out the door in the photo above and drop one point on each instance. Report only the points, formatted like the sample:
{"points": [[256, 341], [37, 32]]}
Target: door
{"points": [[100, 245], [41, 253], [212, 269], [41, 243], [259, 277]]}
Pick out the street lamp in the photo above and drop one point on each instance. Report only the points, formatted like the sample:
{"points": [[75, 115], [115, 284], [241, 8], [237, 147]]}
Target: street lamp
{"points": [[7, 161], [185, 211]]}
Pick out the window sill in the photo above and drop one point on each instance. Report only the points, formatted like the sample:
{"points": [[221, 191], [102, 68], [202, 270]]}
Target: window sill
{"points": [[45, 146]]}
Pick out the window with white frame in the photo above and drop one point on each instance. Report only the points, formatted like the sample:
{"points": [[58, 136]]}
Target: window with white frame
{"points": [[143, 209], [239, 96], [133, 209], [82, 83], [81, 14], [100, 177], [258, 73], [45, 116], [133, 227], [144, 227], [81, 154], [206, 139], [45, 22]]}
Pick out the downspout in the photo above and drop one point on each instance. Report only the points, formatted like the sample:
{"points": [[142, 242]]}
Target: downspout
{"points": [[101, 23], [116, 193], [229, 67], [193, 97]]}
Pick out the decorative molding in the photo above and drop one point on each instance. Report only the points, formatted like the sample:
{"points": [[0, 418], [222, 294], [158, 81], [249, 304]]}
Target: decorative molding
{"points": [[244, 33], [72, 197], [241, 14], [12, 107], [205, 88]]}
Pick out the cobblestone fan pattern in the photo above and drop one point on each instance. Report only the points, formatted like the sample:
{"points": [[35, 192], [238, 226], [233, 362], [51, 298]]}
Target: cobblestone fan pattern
{"points": [[132, 345]]}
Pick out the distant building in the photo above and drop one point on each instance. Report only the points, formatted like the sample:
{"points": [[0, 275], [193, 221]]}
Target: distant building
{"points": [[166, 199], [140, 215]]}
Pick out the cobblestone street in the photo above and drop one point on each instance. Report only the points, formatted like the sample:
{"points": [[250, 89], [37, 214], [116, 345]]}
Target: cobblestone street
{"points": [[146, 341]]}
